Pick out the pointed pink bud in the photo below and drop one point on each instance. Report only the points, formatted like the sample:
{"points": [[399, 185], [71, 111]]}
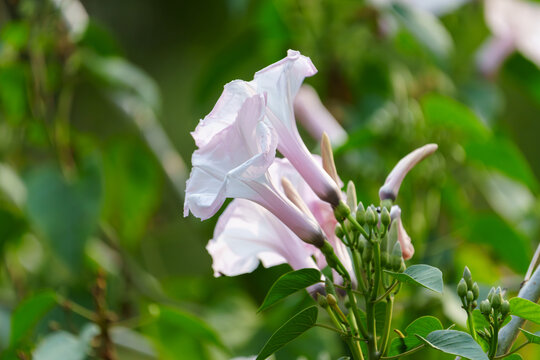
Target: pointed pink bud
{"points": [[407, 248], [316, 118], [393, 182]]}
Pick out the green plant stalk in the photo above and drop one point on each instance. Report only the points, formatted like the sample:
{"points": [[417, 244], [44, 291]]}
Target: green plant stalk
{"points": [[356, 351], [358, 270], [356, 313], [355, 223], [387, 323], [494, 339], [470, 324], [371, 329]]}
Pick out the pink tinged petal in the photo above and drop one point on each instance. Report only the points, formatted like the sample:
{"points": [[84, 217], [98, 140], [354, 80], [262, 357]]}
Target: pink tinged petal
{"points": [[516, 21], [246, 233], [407, 248], [281, 82], [316, 118], [231, 159], [492, 55], [393, 182]]}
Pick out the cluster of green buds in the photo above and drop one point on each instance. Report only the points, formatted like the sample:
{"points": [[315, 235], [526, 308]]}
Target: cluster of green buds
{"points": [[468, 291], [495, 308]]}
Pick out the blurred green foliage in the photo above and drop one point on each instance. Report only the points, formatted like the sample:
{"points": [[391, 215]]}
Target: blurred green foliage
{"points": [[89, 201]]}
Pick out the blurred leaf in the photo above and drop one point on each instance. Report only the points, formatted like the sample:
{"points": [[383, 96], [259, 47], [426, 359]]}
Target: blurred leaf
{"points": [[67, 213], [123, 78], [421, 326], [533, 338], [28, 313], [132, 188], [503, 155], [100, 40], [508, 244], [13, 92], [525, 309], [288, 284], [455, 343], [66, 346], [293, 328], [513, 357], [421, 275], [171, 322], [15, 33], [11, 186], [446, 113], [426, 28], [132, 341]]}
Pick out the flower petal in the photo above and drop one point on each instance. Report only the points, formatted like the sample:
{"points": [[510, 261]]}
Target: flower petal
{"points": [[246, 233]]}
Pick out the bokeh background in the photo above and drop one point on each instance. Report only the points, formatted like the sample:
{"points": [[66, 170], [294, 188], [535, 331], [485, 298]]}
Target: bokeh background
{"points": [[95, 115]]}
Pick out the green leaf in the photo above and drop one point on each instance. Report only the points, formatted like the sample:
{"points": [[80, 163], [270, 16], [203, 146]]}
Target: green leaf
{"points": [[27, 314], [447, 113], [525, 309], [480, 321], [510, 245], [489, 153], [13, 92], [513, 357], [66, 212], [421, 326], [132, 183], [123, 78], [455, 343], [172, 321], [66, 346], [293, 328], [288, 284], [422, 275], [426, 28], [533, 338]]}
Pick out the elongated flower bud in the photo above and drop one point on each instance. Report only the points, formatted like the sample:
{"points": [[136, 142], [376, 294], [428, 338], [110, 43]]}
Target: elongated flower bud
{"points": [[462, 288], [393, 182]]}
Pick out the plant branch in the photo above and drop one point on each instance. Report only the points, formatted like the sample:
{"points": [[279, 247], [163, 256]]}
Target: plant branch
{"points": [[412, 351]]}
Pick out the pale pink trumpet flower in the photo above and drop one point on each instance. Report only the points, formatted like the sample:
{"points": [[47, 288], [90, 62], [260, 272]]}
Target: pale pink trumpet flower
{"points": [[393, 181], [316, 118], [247, 234], [279, 83], [232, 161], [407, 248], [515, 25]]}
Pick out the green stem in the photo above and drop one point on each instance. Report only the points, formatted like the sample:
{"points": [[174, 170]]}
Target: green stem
{"points": [[387, 323], [377, 263], [371, 329], [412, 351], [359, 227], [470, 324], [513, 351], [358, 270], [356, 351], [494, 339], [388, 291], [356, 313]]}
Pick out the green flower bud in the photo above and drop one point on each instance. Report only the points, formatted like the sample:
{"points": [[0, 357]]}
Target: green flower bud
{"points": [[505, 308], [485, 307], [385, 218], [329, 286], [468, 278], [490, 294], [474, 304], [339, 231], [402, 266], [331, 300], [470, 296], [351, 196], [387, 203], [341, 211], [395, 262], [362, 244], [496, 300], [462, 288], [322, 301], [476, 290], [385, 259], [371, 218], [361, 214]]}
